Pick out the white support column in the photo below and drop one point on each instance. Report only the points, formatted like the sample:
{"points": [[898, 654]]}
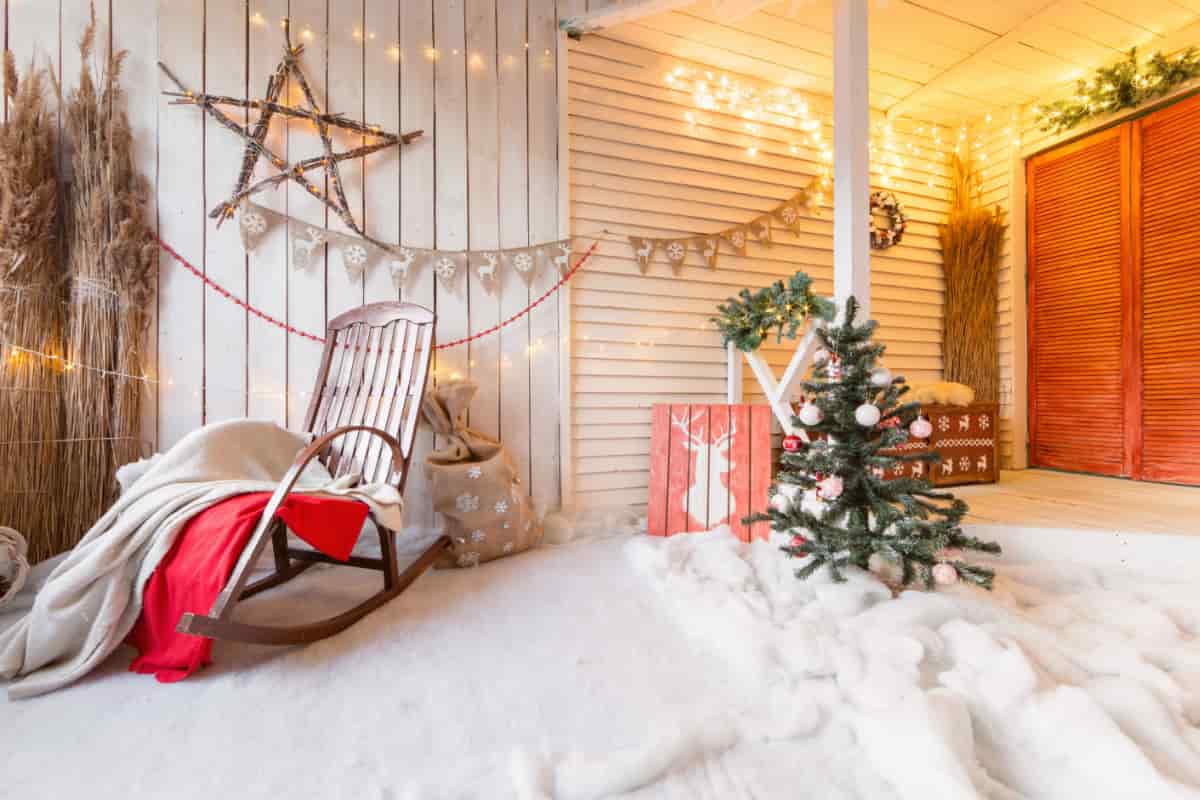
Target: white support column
{"points": [[851, 137]]}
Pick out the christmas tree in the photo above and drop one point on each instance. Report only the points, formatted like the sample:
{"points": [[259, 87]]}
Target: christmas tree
{"points": [[832, 495]]}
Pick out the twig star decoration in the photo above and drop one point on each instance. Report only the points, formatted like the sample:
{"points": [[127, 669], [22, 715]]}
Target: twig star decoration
{"points": [[270, 107]]}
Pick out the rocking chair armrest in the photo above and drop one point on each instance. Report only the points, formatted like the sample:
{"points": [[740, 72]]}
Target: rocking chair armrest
{"points": [[237, 581]]}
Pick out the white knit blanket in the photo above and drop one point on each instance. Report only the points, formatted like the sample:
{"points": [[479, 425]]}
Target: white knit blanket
{"points": [[86, 606]]}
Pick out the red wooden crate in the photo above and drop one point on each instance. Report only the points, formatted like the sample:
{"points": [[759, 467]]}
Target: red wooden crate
{"points": [[709, 465]]}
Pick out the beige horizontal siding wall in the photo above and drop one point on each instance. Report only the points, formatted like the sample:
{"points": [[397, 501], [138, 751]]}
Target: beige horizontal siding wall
{"points": [[638, 167]]}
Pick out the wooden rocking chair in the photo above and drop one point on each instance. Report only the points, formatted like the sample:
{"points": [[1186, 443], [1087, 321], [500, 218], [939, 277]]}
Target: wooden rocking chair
{"points": [[363, 416]]}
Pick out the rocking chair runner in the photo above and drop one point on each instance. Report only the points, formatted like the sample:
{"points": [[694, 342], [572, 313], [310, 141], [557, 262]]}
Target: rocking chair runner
{"points": [[363, 415]]}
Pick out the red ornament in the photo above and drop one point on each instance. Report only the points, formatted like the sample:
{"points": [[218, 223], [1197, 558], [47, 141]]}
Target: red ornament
{"points": [[792, 443], [890, 422], [798, 540]]}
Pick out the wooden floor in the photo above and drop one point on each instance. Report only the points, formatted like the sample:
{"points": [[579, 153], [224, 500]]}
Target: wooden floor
{"points": [[1048, 499]]}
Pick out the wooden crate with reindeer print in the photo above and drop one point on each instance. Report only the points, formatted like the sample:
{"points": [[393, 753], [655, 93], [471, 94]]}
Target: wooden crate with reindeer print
{"points": [[965, 436], [710, 465]]}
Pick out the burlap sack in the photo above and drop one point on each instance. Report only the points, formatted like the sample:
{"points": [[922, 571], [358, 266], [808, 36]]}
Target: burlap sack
{"points": [[475, 485]]}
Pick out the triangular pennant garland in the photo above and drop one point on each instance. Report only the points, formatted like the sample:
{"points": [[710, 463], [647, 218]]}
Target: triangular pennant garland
{"points": [[361, 255], [789, 214]]}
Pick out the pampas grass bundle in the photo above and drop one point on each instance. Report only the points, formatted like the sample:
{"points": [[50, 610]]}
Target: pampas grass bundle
{"points": [[972, 246], [31, 306], [110, 265]]}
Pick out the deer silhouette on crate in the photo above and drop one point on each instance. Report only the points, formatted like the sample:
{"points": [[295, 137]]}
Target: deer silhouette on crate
{"points": [[710, 465]]}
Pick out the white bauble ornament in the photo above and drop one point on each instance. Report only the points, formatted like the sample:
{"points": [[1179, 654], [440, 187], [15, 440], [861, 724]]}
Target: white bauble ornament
{"points": [[920, 429], [810, 414], [881, 376], [867, 415], [944, 574], [831, 488]]}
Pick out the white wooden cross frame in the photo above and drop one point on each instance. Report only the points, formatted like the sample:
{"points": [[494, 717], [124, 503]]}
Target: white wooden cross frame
{"points": [[778, 393]]}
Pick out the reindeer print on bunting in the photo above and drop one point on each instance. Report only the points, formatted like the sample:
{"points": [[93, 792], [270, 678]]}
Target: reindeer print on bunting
{"points": [[710, 465]]}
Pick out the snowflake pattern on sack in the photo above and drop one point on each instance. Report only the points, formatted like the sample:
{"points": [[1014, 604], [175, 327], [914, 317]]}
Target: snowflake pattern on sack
{"points": [[478, 536], [964, 463], [466, 503], [254, 222], [470, 559], [985, 421], [501, 507], [474, 473], [943, 424], [355, 255]]}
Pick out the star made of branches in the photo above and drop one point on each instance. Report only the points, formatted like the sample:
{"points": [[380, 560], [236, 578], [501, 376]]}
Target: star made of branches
{"points": [[255, 136]]}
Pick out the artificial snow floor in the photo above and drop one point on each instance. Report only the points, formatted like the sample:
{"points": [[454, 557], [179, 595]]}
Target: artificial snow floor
{"points": [[632, 667]]}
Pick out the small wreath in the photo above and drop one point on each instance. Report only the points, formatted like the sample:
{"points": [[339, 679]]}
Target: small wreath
{"points": [[887, 204]]}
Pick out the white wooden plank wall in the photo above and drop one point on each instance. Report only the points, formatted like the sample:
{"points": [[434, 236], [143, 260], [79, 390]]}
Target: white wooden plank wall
{"points": [[479, 76], [637, 167]]}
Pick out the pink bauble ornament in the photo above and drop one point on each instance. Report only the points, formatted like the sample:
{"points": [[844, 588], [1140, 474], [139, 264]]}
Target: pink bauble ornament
{"points": [[830, 488], [921, 428], [867, 415], [944, 574], [810, 414]]}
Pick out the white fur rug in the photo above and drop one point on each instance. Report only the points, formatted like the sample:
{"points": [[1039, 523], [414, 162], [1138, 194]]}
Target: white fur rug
{"points": [[623, 666]]}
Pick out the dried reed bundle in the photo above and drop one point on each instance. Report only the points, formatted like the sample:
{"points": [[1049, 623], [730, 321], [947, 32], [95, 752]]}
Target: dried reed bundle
{"points": [[972, 245], [31, 306], [110, 262]]}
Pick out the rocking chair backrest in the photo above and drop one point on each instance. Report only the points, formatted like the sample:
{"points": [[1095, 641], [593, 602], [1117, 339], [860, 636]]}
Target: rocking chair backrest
{"points": [[372, 373]]}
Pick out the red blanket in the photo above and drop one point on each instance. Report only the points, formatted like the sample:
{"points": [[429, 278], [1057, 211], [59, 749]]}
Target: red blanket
{"points": [[200, 562]]}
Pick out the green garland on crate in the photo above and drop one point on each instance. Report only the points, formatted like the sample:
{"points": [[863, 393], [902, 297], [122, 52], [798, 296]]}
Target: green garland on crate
{"points": [[746, 320], [1125, 84]]}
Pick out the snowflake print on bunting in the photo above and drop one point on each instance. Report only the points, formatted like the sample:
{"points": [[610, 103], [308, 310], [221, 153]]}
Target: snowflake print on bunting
{"points": [[466, 503], [501, 507], [676, 253], [255, 136], [355, 259]]}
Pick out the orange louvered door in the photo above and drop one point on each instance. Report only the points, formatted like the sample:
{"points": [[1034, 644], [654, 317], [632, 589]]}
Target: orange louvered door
{"points": [[1170, 296], [1079, 256]]}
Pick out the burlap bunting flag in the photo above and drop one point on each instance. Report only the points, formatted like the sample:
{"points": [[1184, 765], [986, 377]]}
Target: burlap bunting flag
{"points": [[737, 239], [759, 229], [643, 250], [789, 214], [708, 246], [676, 251], [485, 266], [401, 265], [523, 261], [450, 269]]}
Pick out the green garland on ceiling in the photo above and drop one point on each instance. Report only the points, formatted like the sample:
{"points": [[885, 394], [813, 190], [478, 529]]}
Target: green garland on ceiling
{"points": [[746, 320], [1125, 84]]}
